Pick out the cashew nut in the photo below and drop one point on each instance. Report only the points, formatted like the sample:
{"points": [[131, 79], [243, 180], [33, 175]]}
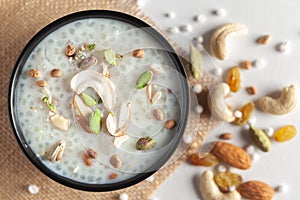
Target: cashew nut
{"points": [[210, 191], [218, 42], [216, 102], [282, 105]]}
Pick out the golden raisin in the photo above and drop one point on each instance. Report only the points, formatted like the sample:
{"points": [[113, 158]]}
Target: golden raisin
{"points": [[208, 160], [138, 53], [34, 73], [225, 180], [234, 79], [246, 110], [285, 133], [226, 136]]}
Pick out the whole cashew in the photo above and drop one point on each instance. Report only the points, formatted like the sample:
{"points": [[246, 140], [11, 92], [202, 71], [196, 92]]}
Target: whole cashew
{"points": [[216, 102], [282, 105], [218, 41], [210, 191]]}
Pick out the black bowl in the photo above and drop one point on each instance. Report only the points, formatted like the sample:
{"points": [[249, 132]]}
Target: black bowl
{"points": [[17, 129]]}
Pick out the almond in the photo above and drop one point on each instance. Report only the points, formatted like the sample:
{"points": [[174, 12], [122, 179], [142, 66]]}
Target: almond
{"points": [[232, 155], [256, 190]]}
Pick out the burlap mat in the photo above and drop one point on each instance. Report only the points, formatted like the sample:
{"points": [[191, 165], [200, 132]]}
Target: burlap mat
{"points": [[19, 21]]}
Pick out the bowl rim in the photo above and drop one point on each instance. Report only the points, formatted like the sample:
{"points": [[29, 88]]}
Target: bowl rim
{"points": [[35, 40]]}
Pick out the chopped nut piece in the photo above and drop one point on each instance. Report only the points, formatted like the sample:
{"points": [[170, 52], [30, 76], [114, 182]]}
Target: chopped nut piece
{"points": [[34, 73], [41, 83], [92, 153], [265, 39], [138, 53], [145, 143], [246, 64], [170, 124], [251, 90], [158, 114], [87, 159], [60, 122], [56, 73], [113, 176], [70, 50], [115, 161], [226, 136], [56, 151]]}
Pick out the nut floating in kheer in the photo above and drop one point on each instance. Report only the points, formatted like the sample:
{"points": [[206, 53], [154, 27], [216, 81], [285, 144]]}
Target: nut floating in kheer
{"points": [[101, 84], [219, 39], [56, 151]]}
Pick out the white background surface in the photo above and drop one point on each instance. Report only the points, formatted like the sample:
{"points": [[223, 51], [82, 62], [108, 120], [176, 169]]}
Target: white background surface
{"points": [[279, 18]]}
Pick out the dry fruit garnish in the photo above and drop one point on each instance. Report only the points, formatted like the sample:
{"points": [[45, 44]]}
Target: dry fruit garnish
{"points": [[70, 50], [260, 138], [232, 155], [225, 180], [265, 39], [42, 83], [246, 111], [138, 53], [145, 143], [256, 190], [285, 133], [196, 62], [144, 79], [55, 73], [110, 56], [207, 160], [251, 90], [34, 73], [113, 176], [170, 124], [234, 79], [246, 64], [226, 136]]}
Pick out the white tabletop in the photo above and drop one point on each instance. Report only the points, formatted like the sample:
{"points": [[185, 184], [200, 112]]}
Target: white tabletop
{"points": [[278, 18]]}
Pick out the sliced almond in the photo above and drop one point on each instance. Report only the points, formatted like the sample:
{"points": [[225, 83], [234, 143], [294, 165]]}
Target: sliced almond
{"points": [[82, 112]]}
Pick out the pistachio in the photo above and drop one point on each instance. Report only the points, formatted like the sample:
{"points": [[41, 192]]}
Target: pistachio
{"points": [[170, 124], [110, 56], [87, 62], [115, 161], [70, 50], [60, 122], [260, 139], [145, 143], [34, 73], [158, 114], [56, 73], [92, 153], [88, 100], [138, 53], [56, 151], [156, 97], [41, 83], [95, 121], [144, 79], [91, 46]]}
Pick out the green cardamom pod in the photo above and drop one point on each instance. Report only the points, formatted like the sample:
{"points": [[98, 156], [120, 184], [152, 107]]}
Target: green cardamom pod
{"points": [[144, 79], [260, 139], [196, 62]]}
